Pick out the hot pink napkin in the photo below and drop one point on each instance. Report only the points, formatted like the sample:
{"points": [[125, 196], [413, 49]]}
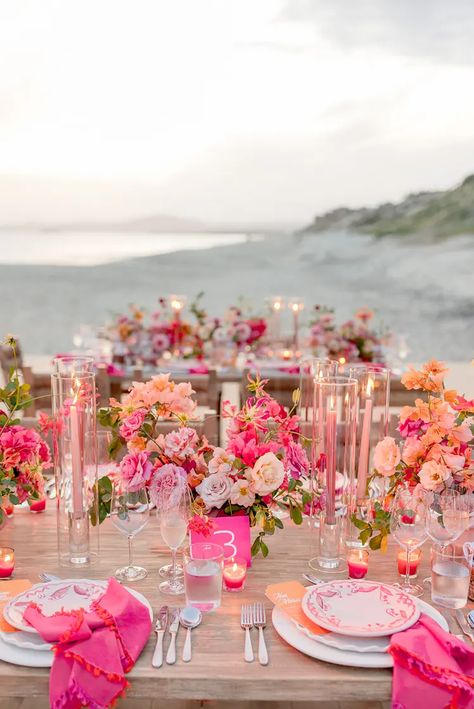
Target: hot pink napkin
{"points": [[431, 668], [93, 650], [199, 369]]}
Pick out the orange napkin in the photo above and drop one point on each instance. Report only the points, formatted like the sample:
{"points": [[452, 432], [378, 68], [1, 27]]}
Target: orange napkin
{"points": [[288, 596], [8, 590]]}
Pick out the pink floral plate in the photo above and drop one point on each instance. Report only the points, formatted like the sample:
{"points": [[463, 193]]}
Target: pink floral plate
{"points": [[52, 597], [360, 608]]}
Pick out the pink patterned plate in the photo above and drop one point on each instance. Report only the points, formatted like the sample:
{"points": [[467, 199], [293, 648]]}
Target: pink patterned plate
{"points": [[52, 597], [360, 608]]}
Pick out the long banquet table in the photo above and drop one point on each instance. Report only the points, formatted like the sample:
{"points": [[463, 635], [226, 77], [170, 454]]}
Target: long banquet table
{"points": [[218, 670]]}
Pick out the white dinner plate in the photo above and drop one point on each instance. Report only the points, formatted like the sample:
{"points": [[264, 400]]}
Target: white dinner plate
{"points": [[27, 641], [354, 644], [367, 609], [288, 631], [53, 596]]}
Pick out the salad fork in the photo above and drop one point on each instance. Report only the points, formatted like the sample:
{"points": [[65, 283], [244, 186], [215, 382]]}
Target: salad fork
{"points": [[246, 623], [260, 621]]}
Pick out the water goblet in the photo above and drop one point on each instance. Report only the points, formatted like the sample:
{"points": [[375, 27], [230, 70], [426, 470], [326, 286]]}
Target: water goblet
{"points": [[445, 520], [129, 512], [408, 526]]}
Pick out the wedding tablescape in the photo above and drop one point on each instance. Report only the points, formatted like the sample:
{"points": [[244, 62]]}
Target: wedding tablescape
{"points": [[288, 489]]}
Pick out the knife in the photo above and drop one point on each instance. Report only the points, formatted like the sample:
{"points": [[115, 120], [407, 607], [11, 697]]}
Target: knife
{"points": [[174, 625], [462, 622], [160, 629]]}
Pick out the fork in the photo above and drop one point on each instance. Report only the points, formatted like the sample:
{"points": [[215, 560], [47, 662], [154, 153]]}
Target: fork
{"points": [[260, 621], [44, 576], [246, 623]]}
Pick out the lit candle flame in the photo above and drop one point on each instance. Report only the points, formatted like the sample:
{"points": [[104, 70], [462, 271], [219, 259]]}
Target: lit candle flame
{"points": [[370, 386]]}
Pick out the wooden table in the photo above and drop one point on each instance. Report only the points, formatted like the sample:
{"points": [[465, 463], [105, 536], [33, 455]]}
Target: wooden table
{"points": [[217, 670]]}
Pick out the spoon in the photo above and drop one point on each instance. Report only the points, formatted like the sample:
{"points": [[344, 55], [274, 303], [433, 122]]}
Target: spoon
{"points": [[189, 618], [470, 619]]}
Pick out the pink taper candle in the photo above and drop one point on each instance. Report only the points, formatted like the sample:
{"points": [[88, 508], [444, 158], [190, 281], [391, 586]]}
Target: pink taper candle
{"points": [[363, 468], [331, 465], [76, 456]]}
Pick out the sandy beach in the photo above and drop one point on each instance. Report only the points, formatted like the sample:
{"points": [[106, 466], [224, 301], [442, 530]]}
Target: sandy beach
{"points": [[425, 291]]}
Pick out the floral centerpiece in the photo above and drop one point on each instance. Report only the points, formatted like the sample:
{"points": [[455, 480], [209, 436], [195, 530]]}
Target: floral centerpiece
{"points": [[245, 331], [353, 341], [259, 473], [24, 455], [436, 449]]}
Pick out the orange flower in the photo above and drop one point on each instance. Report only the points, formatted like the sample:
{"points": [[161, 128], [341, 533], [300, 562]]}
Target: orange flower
{"points": [[413, 379], [430, 378], [194, 479], [136, 444]]}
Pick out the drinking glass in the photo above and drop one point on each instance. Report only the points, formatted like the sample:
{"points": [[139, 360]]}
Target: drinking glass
{"points": [[408, 526], [203, 564], [174, 512], [450, 575], [129, 512], [445, 520]]}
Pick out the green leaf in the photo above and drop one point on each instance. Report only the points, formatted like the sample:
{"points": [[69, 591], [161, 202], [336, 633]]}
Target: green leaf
{"points": [[291, 485], [359, 523], [264, 548], [376, 542], [296, 514], [278, 523], [256, 546], [14, 499], [364, 536]]}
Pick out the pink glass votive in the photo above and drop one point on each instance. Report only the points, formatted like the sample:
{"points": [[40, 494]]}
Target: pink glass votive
{"points": [[413, 562], [234, 573], [358, 563], [8, 508], [38, 505], [7, 562]]}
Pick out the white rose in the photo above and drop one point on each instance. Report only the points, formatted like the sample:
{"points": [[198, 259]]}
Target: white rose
{"points": [[267, 474], [215, 489], [242, 493]]}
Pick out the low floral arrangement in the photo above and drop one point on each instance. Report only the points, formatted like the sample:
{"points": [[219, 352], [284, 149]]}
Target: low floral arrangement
{"points": [[24, 455], [436, 450], [353, 341], [261, 472], [245, 331]]}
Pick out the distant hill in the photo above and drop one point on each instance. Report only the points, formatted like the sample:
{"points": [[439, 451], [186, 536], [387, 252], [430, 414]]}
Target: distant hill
{"points": [[433, 215]]}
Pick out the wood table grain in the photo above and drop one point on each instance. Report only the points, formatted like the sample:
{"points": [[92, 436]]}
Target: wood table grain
{"points": [[217, 670]]}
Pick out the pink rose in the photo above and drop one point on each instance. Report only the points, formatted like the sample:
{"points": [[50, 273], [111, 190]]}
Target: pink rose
{"points": [[167, 486], [386, 456], [136, 470], [132, 424], [413, 451], [180, 443]]}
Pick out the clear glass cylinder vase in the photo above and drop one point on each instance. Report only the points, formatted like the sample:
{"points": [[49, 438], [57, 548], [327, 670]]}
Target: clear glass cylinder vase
{"points": [[373, 419], [75, 460], [333, 458]]}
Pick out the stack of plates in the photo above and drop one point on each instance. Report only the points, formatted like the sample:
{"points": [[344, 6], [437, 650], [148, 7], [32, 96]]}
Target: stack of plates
{"points": [[27, 647], [360, 617]]}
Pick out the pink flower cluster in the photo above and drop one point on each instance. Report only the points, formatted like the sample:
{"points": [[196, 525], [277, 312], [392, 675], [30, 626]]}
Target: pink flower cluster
{"points": [[353, 341], [437, 449], [23, 457]]}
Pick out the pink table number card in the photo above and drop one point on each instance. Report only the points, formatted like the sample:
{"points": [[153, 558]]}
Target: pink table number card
{"points": [[232, 533]]}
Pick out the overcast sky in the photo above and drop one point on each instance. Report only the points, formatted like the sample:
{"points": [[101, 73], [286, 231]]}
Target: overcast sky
{"points": [[230, 110]]}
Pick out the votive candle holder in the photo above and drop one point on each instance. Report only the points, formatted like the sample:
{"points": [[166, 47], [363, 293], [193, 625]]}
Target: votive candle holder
{"points": [[357, 563], [234, 574], [7, 562], [413, 561]]}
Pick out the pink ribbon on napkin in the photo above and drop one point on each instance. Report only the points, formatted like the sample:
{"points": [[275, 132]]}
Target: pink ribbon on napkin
{"points": [[431, 668], [93, 649]]}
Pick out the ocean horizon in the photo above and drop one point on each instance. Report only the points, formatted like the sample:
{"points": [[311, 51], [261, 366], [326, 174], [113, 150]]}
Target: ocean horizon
{"points": [[81, 248]]}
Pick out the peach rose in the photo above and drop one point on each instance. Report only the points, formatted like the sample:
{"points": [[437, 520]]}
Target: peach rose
{"points": [[267, 474], [413, 450], [433, 475], [386, 456]]}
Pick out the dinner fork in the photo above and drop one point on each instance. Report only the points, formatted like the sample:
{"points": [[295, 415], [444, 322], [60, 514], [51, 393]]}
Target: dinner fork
{"points": [[260, 621], [246, 622]]}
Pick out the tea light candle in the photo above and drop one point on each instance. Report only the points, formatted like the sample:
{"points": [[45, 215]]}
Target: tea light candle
{"points": [[7, 562], [38, 505], [358, 563], [413, 562], [234, 573]]}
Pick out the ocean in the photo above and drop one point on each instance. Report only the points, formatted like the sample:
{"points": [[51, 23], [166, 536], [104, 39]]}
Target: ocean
{"points": [[73, 248]]}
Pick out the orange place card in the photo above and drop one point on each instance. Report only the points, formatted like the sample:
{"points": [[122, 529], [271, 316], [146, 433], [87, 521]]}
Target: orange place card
{"points": [[288, 596], [8, 590]]}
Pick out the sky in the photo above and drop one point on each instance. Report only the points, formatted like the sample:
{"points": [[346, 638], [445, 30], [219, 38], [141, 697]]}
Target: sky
{"points": [[230, 111]]}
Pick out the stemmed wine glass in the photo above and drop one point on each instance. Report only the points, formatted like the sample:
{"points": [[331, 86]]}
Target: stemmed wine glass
{"points": [[174, 510], [129, 512], [445, 520], [408, 526]]}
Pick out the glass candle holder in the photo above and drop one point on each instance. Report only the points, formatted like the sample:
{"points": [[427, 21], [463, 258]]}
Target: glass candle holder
{"points": [[38, 505], [75, 460], [234, 574], [358, 563], [7, 562], [332, 462], [411, 561]]}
